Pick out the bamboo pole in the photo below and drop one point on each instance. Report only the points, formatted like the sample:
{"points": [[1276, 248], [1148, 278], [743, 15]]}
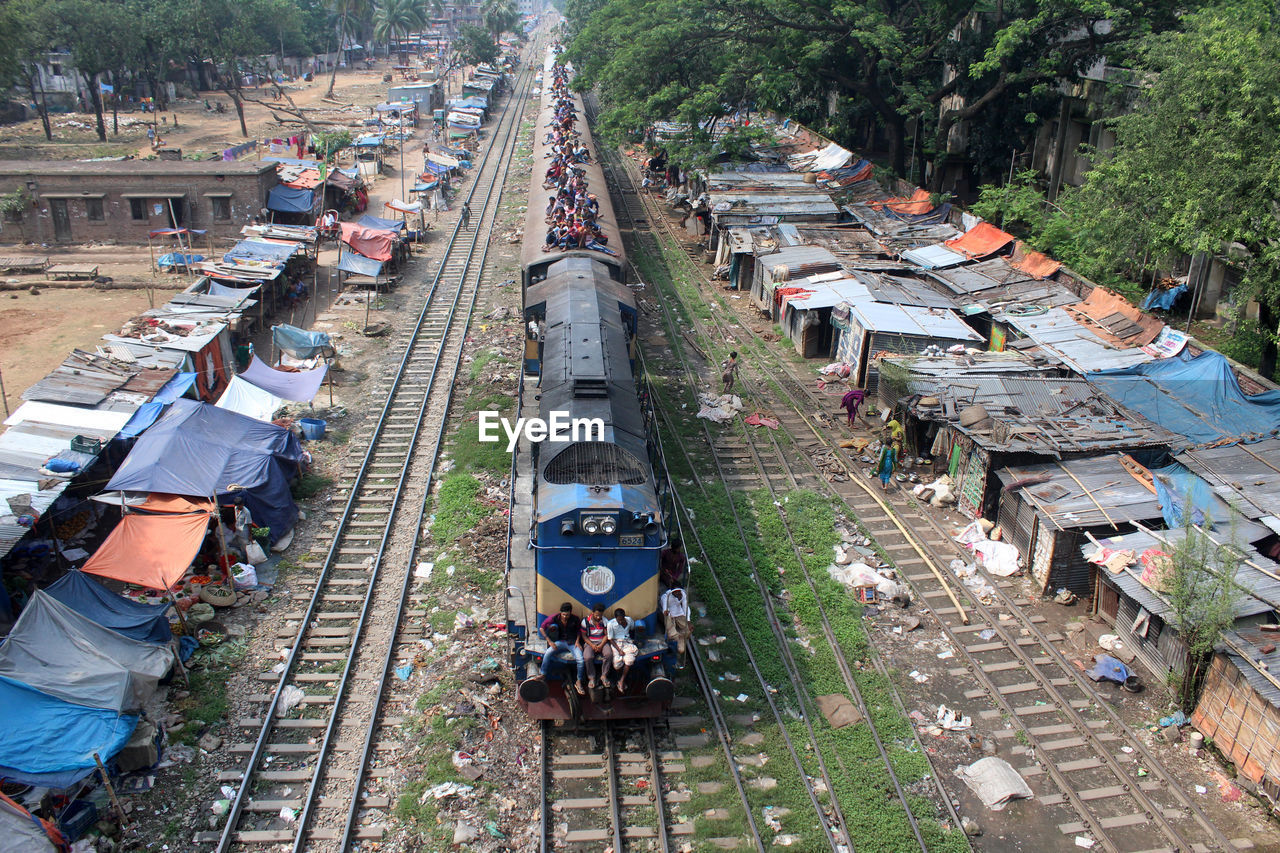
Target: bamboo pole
{"points": [[111, 791]]}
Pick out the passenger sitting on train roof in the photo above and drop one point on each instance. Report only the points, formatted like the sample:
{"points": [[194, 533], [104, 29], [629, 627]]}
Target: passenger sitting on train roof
{"points": [[624, 647], [561, 631], [594, 639]]}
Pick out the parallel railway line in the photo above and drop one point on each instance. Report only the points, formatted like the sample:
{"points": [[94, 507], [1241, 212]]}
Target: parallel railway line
{"points": [[1075, 738], [303, 781]]}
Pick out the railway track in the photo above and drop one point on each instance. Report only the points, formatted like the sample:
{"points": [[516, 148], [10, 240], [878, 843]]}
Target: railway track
{"points": [[302, 784], [1107, 784]]}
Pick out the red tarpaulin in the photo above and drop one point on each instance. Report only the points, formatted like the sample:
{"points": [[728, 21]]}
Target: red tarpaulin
{"points": [[150, 550], [979, 241], [367, 241]]}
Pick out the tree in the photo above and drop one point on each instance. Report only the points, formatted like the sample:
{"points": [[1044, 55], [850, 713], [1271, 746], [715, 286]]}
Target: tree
{"points": [[475, 46], [499, 16], [394, 20], [1200, 584], [1196, 165], [24, 42], [98, 33], [838, 65], [227, 35], [348, 16]]}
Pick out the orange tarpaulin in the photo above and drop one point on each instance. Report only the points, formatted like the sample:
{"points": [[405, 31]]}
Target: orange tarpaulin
{"points": [[917, 204], [150, 550], [1114, 319], [157, 502], [367, 241], [979, 241], [1035, 264], [305, 180]]}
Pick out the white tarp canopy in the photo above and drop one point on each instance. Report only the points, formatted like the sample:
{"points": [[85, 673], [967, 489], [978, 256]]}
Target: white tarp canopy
{"points": [[245, 398], [58, 651]]}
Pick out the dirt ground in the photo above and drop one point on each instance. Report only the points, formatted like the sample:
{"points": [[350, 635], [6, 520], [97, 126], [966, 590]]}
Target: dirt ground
{"points": [[187, 125]]}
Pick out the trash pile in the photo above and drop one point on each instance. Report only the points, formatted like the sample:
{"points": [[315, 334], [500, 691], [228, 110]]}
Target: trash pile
{"points": [[982, 537], [719, 409]]}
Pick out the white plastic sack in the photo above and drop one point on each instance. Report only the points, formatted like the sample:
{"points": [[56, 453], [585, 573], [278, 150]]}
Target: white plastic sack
{"points": [[999, 558], [994, 781], [245, 575], [254, 554]]}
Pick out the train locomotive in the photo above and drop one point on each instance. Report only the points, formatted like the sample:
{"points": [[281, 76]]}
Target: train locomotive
{"points": [[589, 503]]}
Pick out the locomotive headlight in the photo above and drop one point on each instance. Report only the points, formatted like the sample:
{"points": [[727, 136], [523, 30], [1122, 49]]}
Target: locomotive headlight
{"points": [[591, 526], [608, 527]]}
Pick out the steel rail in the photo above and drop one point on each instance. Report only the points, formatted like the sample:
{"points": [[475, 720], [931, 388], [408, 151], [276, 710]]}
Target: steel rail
{"points": [[237, 806]]}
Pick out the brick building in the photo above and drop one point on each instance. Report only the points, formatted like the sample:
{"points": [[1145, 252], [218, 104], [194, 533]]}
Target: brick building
{"points": [[79, 202]]}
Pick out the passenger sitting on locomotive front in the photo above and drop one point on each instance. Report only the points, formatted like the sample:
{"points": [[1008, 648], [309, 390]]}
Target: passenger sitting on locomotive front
{"points": [[594, 639], [561, 631], [624, 647], [672, 564]]}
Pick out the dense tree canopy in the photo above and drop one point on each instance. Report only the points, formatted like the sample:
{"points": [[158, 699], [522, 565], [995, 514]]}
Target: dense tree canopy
{"points": [[839, 64], [1195, 167]]}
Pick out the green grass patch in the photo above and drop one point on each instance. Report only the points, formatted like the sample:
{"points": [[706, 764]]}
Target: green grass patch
{"points": [[458, 507], [309, 485]]}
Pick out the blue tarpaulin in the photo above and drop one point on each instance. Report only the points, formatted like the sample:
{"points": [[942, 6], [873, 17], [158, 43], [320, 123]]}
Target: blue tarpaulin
{"points": [[299, 343], [435, 168], [1108, 668], [300, 385], [260, 250], [371, 221], [284, 199], [51, 742], [359, 265], [198, 450], [1163, 298], [1195, 397], [371, 141], [178, 259], [145, 622], [148, 412]]}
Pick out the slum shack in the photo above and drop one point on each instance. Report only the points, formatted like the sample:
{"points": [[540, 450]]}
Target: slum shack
{"points": [[1048, 511], [737, 252], [777, 269], [866, 331], [976, 412]]}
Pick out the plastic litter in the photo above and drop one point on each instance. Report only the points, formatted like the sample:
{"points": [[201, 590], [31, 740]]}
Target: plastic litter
{"points": [[1177, 718], [994, 781], [290, 698], [952, 720]]}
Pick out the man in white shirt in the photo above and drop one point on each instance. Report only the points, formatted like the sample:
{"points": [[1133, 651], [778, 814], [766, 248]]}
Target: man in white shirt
{"points": [[624, 648], [675, 614]]}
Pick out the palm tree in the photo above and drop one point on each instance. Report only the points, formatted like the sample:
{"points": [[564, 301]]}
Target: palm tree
{"points": [[348, 16], [395, 19], [499, 16]]}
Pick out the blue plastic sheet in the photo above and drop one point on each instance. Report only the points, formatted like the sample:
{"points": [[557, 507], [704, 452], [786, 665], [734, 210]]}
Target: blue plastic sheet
{"points": [[148, 412], [299, 343], [371, 221], [1195, 397], [1164, 299], [145, 622], [257, 250], [1185, 497], [284, 199], [198, 450], [51, 742], [178, 259], [359, 265], [1107, 668]]}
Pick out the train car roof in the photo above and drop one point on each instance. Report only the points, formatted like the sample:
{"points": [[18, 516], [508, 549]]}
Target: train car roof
{"points": [[535, 228], [571, 273]]}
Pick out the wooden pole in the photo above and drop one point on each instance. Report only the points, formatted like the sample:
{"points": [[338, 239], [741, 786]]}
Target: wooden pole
{"points": [[177, 658], [111, 791]]}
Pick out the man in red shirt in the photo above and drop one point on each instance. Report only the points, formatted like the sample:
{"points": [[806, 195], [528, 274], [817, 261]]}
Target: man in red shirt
{"points": [[562, 631]]}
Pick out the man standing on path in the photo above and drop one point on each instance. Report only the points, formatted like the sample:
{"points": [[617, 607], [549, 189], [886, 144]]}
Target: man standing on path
{"points": [[675, 614], [466, 216]]}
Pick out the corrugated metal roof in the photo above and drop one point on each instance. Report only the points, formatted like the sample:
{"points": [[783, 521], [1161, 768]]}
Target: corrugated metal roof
{"points": [[1242, 474], [904, 290], [798, 257], [814, 205], [933, 257], [1044, 414], [1109, 493], [1061, 335], [83, 379], [827, 294], [912, 320]]}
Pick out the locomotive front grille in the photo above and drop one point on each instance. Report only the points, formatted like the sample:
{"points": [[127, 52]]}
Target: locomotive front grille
{"points": [[594, 463]]}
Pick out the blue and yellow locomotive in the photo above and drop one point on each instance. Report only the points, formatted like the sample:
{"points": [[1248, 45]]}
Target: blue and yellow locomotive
{"points": [[589, 505]]}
